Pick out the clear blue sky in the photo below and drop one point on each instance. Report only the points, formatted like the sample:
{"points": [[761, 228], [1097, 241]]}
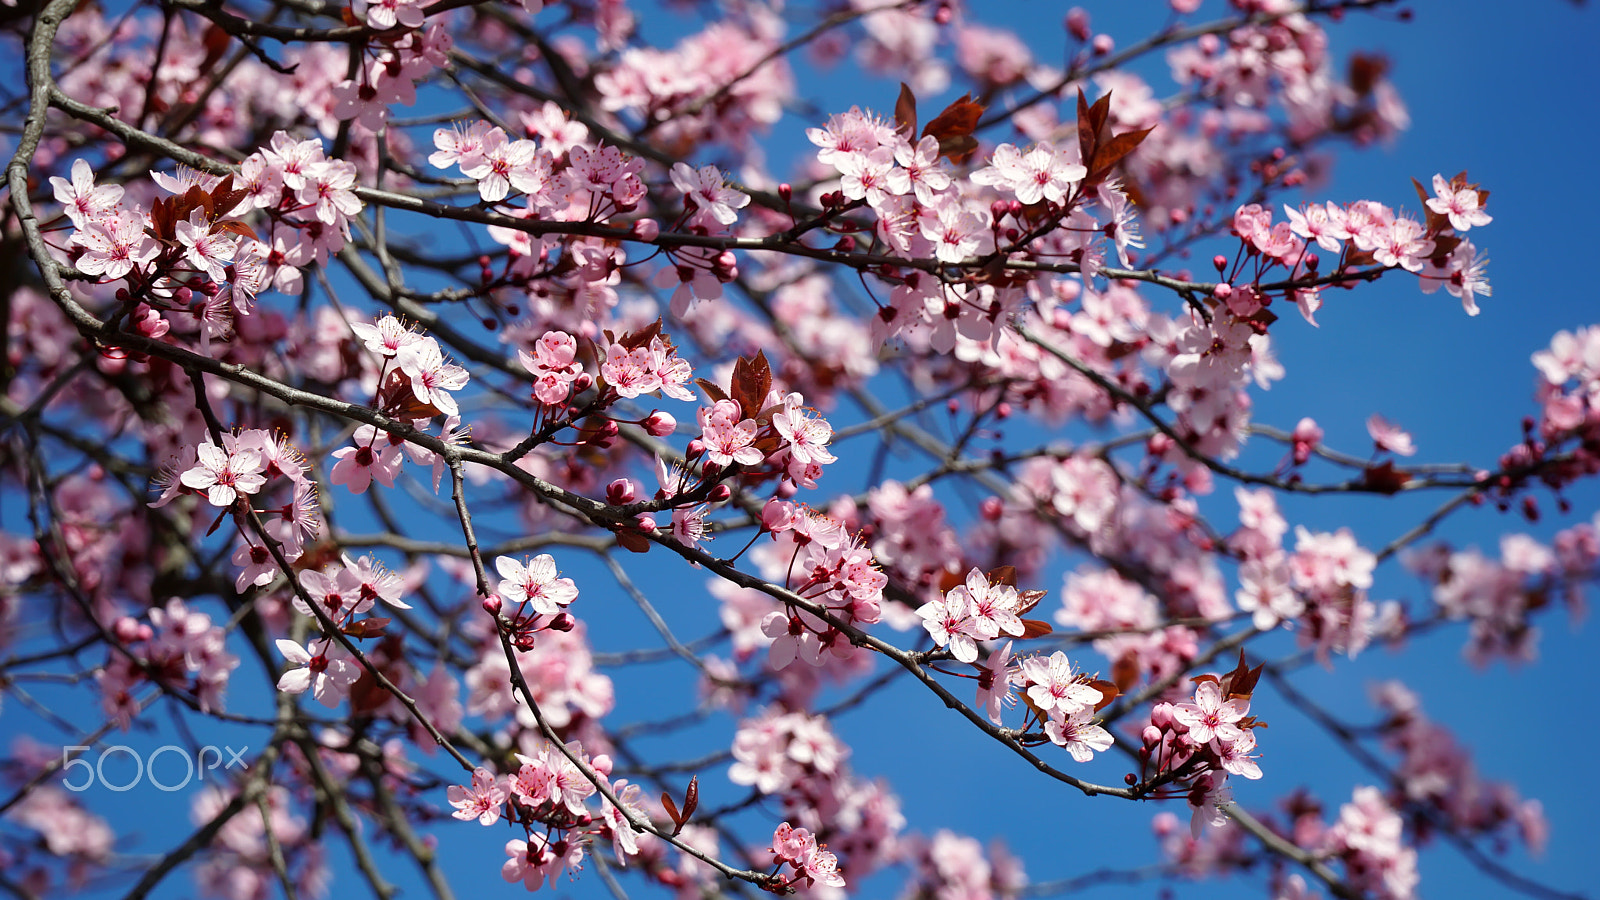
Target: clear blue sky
{"points": [[1505, 91]]}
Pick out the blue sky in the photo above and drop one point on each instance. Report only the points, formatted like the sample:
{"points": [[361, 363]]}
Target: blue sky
{"points": [[1505, 92]]}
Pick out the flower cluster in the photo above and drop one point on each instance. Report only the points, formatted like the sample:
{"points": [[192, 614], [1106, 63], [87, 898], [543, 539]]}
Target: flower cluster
{"points": [[812, 862], [971, 612], [181, 650], [1205, 740], [548, 795]]}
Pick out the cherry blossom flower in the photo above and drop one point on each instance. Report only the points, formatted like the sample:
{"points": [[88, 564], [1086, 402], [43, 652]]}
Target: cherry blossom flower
{"points": [[1042, 173], [483, 800], [537, 583], [224, 474], [1052, 684], [1462, 276], [995, 683], [712, 198], [364, 463], [115, 245], [950, 622], [328, 673], [728, 437], [1461, 207], [1389, 436], [387, 337], [83, 199], [1077, 732], [431, 377], [1211, 718]]}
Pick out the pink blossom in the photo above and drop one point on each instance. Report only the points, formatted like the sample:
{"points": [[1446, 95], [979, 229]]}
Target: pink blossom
{"points": [[483, 800], [225, 474], [327, 673], [1461, 207], [536, 583], [1042, 173], [83, 199], [1211, 718], [1389, 436], [729, 438]]}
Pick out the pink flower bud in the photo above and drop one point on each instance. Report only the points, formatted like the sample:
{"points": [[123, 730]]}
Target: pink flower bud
{"points": [[1222, 291], [1103, 44], [562, 622], [719, 493], [646, 522], [646, 229], [1220, 261], [491, 604], [620, 492], [660, 424], [991, 509], [1161, 715], [1078, 23], [1151, 735], [776, 516], [695, 450], [126, 630], [583, 382]]}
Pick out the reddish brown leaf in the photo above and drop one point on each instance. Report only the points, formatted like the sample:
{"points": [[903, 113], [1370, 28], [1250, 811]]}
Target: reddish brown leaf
{"points": [[366, 628], [633, 541], [1385, 479], [1086, 130], [905, 112], [1112, 152], [1108, 692], [948, 580], [672, 809], [752, 380], [1241, 682], [221, 517], [216, 43], [633, 340], [1032, 628], [1366, 70], [1125, 671], [1003, 575], [954, 126], [691, 797], [1029, 599], [713, 393], [236, 227]]}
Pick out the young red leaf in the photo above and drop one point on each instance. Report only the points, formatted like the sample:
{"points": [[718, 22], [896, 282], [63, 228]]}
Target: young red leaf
{"points": [[905, 112], [713, 393], [672, 810], [691, 797], [366, 628], [1108, 692], [1003, 575], [633, 340], [1033, 628], [954, 126], [1112, 152], [1029, 599], [633, 541]]}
